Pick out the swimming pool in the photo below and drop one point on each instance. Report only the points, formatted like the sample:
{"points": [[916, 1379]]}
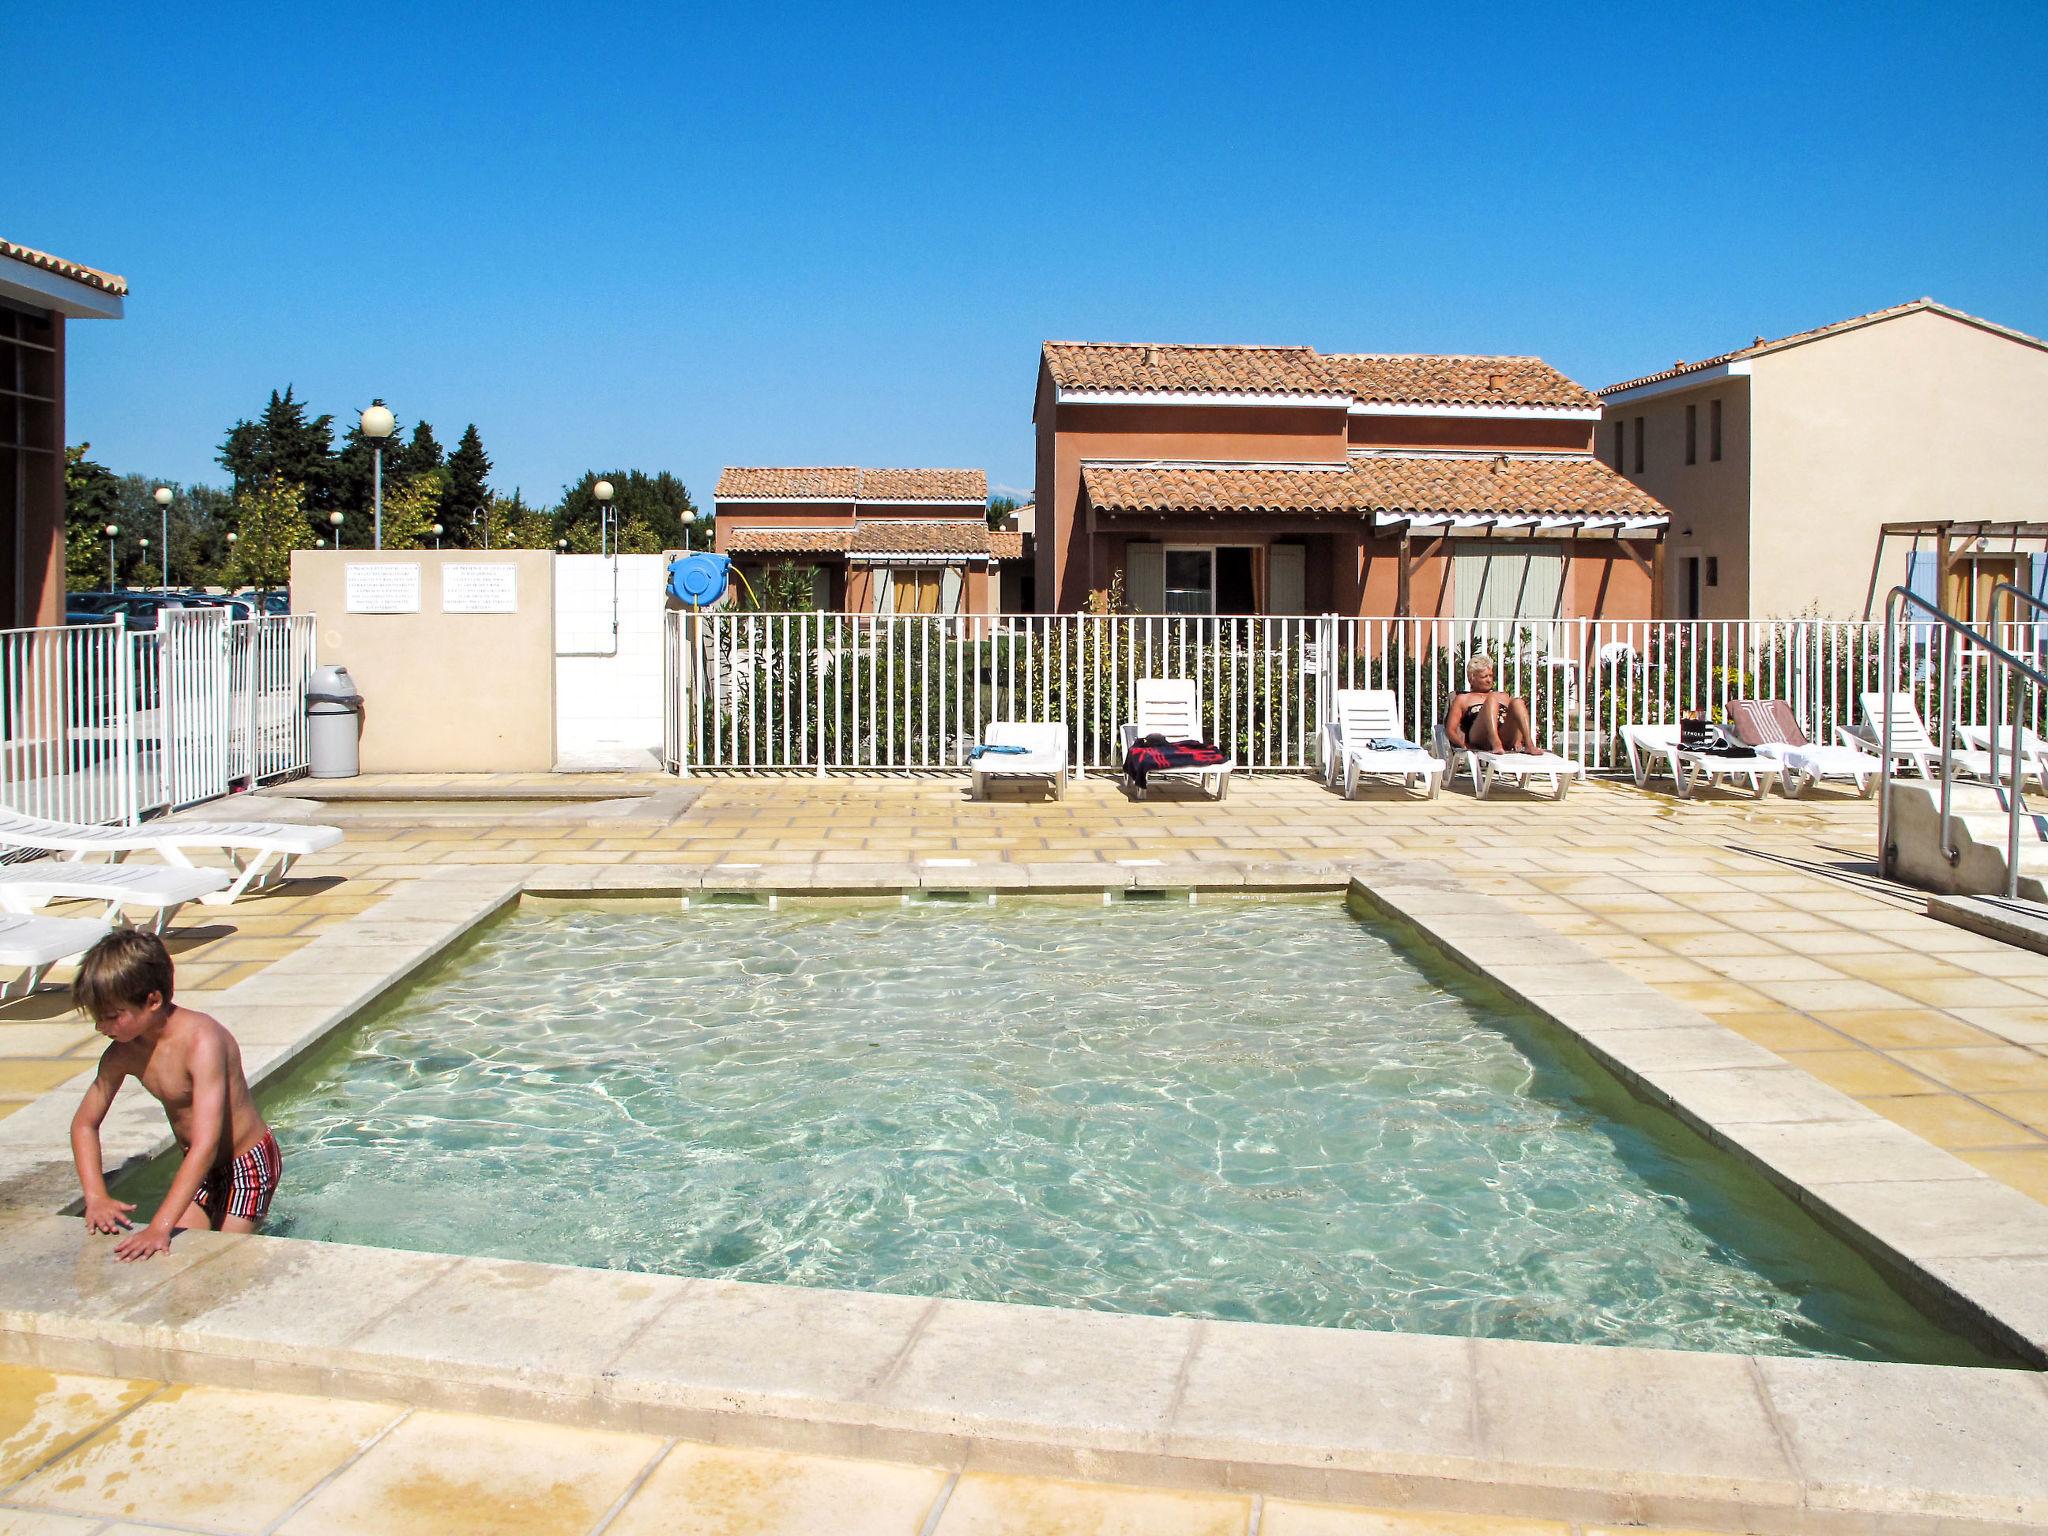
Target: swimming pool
{"points": [[1258, 1109]]}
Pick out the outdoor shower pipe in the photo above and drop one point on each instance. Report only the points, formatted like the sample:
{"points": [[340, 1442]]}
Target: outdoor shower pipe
{"points": [[1951, 628]]}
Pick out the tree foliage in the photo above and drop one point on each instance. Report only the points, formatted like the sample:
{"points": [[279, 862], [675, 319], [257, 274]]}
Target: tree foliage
{"points": [[410, 511], [270, 522], [650, 511], [284, 445], [469, 469], [92, 499]]}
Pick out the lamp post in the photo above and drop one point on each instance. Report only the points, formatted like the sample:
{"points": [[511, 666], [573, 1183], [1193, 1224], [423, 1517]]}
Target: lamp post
{"points": [[603, 492], [113, 581], [482, 515], [142, 563], [561, 546], [689, 523], [378, 424], [334, 522], [163, 500], [437, 535]]}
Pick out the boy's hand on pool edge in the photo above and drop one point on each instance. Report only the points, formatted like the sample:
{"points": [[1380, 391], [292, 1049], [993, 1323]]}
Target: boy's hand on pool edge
{"points": [[103, 1213], [145, 1244]]}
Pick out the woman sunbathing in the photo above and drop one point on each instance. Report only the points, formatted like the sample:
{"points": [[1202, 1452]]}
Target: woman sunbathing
{"points": [[1482, 720]]}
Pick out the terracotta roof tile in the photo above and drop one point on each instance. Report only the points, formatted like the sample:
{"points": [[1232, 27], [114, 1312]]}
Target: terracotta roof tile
{"points": [[1760, 346], [901, 536], [1367, 377], [1429, 379], [1178, 369], [848, 483], [1006, 544], [92, 277], [788, 541], [1396, 484]]}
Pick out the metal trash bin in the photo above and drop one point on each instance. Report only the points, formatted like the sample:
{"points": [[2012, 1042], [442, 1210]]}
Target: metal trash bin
{"points": [[334, 707]]}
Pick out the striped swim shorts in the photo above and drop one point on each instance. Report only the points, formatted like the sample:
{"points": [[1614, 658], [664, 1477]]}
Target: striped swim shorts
{"points": [[242, 1186]]}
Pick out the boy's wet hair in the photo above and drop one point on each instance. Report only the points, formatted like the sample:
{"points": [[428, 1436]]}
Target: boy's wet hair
{"points": [[124, 967]]}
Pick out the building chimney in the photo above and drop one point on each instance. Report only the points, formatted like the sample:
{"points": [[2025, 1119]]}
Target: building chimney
{"points": [[1151, 357], [1496, 382]]}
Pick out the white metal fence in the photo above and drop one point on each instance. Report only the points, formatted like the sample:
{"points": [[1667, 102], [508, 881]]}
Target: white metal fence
{"points": [[833, 692], [100, 723]]}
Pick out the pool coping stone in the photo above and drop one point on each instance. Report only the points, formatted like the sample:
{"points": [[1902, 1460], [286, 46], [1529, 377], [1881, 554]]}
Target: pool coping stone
{"points": [[1477, 1425]]}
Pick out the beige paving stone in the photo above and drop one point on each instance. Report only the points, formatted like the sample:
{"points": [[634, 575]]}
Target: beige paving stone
{"points": [[449, 1474], [991, 1504], [26, 1078], [2029, 1108], [2024, 1170], [1693, 1421], [1984, 1069], [1903, 1029], [710, 1491], [1282, 1517], [229, 1460], [1966, 1442], [44, 1414], [1781, 1031], [1949, 1120], [1859, 1072], [25, 1522]]}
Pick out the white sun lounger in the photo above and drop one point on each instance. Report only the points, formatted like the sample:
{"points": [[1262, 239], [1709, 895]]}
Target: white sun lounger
{"points": [[1167, 706], [1490, 768], [260, 851], [25, 887], [1769, 726], [1649, 745], [1360, 717], [2033, 749], [1912, 747], [1044, 755], [32, 945]]}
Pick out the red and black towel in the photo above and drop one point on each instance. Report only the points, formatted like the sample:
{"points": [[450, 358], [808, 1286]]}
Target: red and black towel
{"points": [[1154, 753]]}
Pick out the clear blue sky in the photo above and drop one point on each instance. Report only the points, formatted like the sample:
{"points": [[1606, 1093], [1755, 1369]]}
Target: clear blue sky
{"points": [[669, 238]]}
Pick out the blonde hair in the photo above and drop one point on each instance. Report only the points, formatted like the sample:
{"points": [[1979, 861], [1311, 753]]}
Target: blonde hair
{"points": [[124, 967], [1477, 660]]}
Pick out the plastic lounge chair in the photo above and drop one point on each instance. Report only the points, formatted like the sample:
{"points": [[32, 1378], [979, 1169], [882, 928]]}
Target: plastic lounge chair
{"points": [[1490, 768], [1360, 717], [1773, 730], [2033, 749], [32, 945], [1912, 747], [1167, 706], [24, 887], [1044, 757], [1648, 745], [261, 852]]}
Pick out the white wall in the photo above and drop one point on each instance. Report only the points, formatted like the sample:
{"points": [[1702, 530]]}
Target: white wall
{"points": [[607, 695]]}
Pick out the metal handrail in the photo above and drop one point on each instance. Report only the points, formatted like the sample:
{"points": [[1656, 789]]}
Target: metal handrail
{"points": [[1950, 627]]}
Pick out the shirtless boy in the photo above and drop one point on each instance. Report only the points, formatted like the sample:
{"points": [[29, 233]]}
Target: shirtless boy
{"points": [[194, 1068], [1486, 721]]}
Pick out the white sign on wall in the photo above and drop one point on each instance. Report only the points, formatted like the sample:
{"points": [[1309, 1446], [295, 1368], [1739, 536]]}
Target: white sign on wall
{"points": [[382, 588], [480, 588]]}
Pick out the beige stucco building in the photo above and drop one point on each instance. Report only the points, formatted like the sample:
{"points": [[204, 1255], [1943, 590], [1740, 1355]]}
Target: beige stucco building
{"points": [[1781, 461]]}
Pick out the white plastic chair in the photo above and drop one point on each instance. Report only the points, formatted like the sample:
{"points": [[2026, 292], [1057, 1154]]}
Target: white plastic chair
{"points": [[1168, 706], [1044, 755], [1360, 717], [32, 945], [25, 887], [1774, 732], [260, 851], [1649, 745], [1912, 747], [1489, 769]]}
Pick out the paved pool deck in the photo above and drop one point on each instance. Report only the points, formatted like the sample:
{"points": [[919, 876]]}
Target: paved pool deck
{"points": [[1710, 920]]}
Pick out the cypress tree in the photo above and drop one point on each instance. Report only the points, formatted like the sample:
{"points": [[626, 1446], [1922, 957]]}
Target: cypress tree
{"points": [[469, 469]]}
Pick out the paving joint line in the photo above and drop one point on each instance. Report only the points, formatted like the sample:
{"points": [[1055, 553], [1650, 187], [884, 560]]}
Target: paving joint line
{"points": [[938, 1510], [85, 1439], [369, 1445], [639, 1481]]}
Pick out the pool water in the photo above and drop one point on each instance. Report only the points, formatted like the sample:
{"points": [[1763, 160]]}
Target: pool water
{"points": [[1258, 1109]]}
